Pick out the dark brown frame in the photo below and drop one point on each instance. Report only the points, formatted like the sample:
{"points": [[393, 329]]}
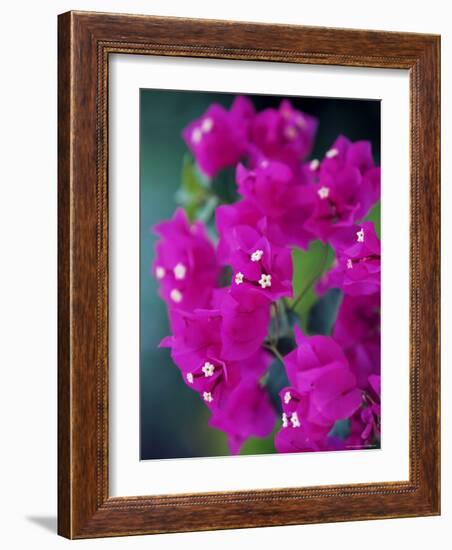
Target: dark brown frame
{"points": [[84, 44]]}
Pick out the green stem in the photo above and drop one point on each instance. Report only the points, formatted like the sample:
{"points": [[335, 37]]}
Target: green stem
{"points": [[275, 352], [312, 280], [368, 398], [277, 327]]}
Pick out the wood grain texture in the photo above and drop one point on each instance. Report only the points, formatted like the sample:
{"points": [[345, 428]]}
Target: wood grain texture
{"points": [[85, 42], [64, 294]]}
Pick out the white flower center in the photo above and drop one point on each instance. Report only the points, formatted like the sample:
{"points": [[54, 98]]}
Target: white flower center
{"points": [[180, 271], [349, 264], [314, 164], [284, 420], [360, 235], [238, 278], [196, 135], [176, 295], [286, 113], [287, 397], [207, 396], [265, 280], [290, 132], [190, 377], [160, 272], [332, 153], [300, 121], [323, 192], [294, 420], [208, 369], [207, 125], [257, 255]]}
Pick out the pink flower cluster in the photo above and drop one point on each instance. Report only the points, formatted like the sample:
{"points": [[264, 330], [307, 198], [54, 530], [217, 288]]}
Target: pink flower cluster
{"points": [[217, 333], [220, 334]]}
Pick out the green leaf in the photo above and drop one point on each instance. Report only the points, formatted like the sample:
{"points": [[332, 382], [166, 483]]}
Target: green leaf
{"points": [[192, 180], [323, 314], [193, 192], [308, 266], [375, 216], [260, 445], [206, 211]]}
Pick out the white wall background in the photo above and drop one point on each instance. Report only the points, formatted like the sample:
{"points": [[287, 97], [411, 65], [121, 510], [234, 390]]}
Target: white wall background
{"points": [[28, 236]]}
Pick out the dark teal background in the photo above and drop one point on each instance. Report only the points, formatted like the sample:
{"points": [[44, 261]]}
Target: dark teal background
{"points": [[173, 420]]}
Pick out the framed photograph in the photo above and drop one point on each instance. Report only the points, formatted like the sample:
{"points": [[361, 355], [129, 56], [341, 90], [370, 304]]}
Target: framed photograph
{"points": [[248, 275]]}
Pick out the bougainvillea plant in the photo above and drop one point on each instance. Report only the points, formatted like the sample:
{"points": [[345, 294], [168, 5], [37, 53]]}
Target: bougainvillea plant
{"points": [[269, 347]]}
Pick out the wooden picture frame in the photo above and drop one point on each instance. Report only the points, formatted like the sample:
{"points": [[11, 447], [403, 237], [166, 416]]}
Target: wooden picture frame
{"points": [[85, 42]]}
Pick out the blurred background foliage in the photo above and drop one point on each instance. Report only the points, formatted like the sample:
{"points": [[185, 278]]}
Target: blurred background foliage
{"points": [[173, 420]]}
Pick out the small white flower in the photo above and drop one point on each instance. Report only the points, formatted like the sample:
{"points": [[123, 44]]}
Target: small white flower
{"points": [[176, 295], [207, 396], [257, 255], [349, 264], [196, 135], [238, 278], [265, 280], [207, 125], [190, 377], [360, 235], [314, 164], [323, 192], [287, 397], [160, 272], [290, 132], [294, 420], [284, 420], [180, 271], [208, 369], [332, 153]]}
